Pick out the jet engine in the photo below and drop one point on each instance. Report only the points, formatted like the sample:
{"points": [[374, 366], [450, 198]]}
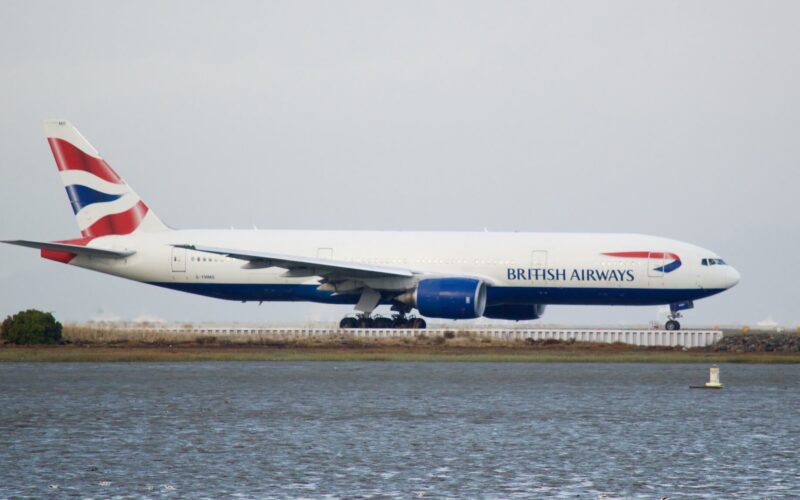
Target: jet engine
{"points": [[449, 298]]}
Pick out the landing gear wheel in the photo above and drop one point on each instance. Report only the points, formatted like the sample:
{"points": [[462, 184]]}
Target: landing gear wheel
{"points": [[672, 325], [399, 321], [364, 322], [347, 323], [382, 322], [417, 324]]}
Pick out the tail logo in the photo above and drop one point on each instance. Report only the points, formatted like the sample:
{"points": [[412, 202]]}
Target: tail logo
{"points": [[102, 202]]}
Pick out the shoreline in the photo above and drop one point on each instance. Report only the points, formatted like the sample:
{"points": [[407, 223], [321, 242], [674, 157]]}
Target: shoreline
{"points": [[574, 353]]}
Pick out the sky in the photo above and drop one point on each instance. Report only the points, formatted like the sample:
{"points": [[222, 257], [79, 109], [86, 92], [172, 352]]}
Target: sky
{"points": [[679, 119]]}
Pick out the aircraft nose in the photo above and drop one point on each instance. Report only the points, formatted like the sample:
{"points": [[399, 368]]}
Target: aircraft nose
{"points": [[732, 277]]}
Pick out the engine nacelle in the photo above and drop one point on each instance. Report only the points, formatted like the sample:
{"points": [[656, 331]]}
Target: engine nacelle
{"points": [[449, 298], [516, 312]]}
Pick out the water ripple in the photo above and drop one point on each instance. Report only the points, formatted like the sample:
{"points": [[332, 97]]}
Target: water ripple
{"points": [[385, 430]]}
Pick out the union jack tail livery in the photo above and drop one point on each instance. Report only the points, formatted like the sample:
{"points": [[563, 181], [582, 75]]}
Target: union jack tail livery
{"points": [[103, 203]]}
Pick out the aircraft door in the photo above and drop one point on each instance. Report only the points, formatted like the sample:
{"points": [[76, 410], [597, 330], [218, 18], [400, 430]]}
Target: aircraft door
{"points": [[655, 264], [538, 266], [539, 259], [178, 260]]}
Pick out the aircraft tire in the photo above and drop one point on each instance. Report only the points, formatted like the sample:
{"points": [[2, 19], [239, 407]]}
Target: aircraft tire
{"points": [[399, 322], [672, 325], [381, 322], [417, 324], [348, 323]]}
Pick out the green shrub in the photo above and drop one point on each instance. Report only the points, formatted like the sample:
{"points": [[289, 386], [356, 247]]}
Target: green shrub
{"points": [[31, 327]]}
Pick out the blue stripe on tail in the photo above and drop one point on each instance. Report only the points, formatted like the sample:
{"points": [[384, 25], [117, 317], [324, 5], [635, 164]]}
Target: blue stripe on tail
{"points": [[82, 196]]}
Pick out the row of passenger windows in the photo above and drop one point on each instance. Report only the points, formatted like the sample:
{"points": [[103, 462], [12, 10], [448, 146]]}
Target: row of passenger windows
{"points": [[382, 261], [480, 262], [713, 262], [210, 259], [378, 260]]}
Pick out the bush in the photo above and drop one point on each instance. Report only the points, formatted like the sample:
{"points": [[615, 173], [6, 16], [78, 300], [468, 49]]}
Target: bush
{"points": [[31, 327], [438, 340]]}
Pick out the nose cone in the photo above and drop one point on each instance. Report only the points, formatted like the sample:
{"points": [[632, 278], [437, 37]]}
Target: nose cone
{"points": [[732, 277]]}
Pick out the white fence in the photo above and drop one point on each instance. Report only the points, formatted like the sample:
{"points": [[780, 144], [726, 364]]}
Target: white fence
{"points": [[685, 338]]}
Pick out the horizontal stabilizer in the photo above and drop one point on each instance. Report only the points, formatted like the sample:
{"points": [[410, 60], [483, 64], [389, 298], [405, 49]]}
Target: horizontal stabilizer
{"points": [[75, 249], [267, 259]]}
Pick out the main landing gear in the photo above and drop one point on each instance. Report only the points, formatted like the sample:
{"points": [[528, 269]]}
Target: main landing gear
{"points": [[367, 303], [399, 320]]}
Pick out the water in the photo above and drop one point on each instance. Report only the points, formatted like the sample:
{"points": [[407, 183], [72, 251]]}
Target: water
{"points": [[398, 430]]}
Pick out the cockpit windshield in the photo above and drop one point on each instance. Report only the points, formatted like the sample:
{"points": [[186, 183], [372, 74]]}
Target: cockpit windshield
{"points": [[713, 262]]}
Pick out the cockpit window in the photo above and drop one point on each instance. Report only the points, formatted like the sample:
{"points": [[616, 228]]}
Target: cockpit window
{"points": [[713, 262]]}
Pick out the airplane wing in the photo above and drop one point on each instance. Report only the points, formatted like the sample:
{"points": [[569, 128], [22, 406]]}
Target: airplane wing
{"points": [[293, 262], [75, 249]]}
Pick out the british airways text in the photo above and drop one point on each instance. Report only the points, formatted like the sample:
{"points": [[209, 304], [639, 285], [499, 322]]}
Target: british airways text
{"points": [[537, 274]]}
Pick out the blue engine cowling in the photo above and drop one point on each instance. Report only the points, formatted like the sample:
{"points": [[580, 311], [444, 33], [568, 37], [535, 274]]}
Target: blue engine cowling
{"points": [[451, 298], [516, 312]]}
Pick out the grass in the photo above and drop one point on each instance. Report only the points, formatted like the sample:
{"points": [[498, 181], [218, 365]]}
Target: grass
{"points": [[72, 353], [103, 344]]}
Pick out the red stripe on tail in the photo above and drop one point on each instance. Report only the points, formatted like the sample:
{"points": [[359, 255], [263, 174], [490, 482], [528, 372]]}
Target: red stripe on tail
{"points": [[69, 157], [122, 223]]}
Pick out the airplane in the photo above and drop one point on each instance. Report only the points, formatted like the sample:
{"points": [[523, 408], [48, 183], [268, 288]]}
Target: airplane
{"points": [[446, 275]]}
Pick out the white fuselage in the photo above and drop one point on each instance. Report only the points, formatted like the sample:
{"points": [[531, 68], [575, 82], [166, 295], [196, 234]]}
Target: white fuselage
{"points": [[536, 268]]}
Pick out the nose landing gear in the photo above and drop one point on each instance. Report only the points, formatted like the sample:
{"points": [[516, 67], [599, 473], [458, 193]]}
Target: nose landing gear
{"points": [[675, 313]]}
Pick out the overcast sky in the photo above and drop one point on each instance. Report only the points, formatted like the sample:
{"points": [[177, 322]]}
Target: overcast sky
{"points": [[679, 119]]}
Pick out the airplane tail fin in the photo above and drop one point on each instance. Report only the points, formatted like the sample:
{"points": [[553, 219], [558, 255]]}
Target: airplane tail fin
{"points": [[103, 203]]}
